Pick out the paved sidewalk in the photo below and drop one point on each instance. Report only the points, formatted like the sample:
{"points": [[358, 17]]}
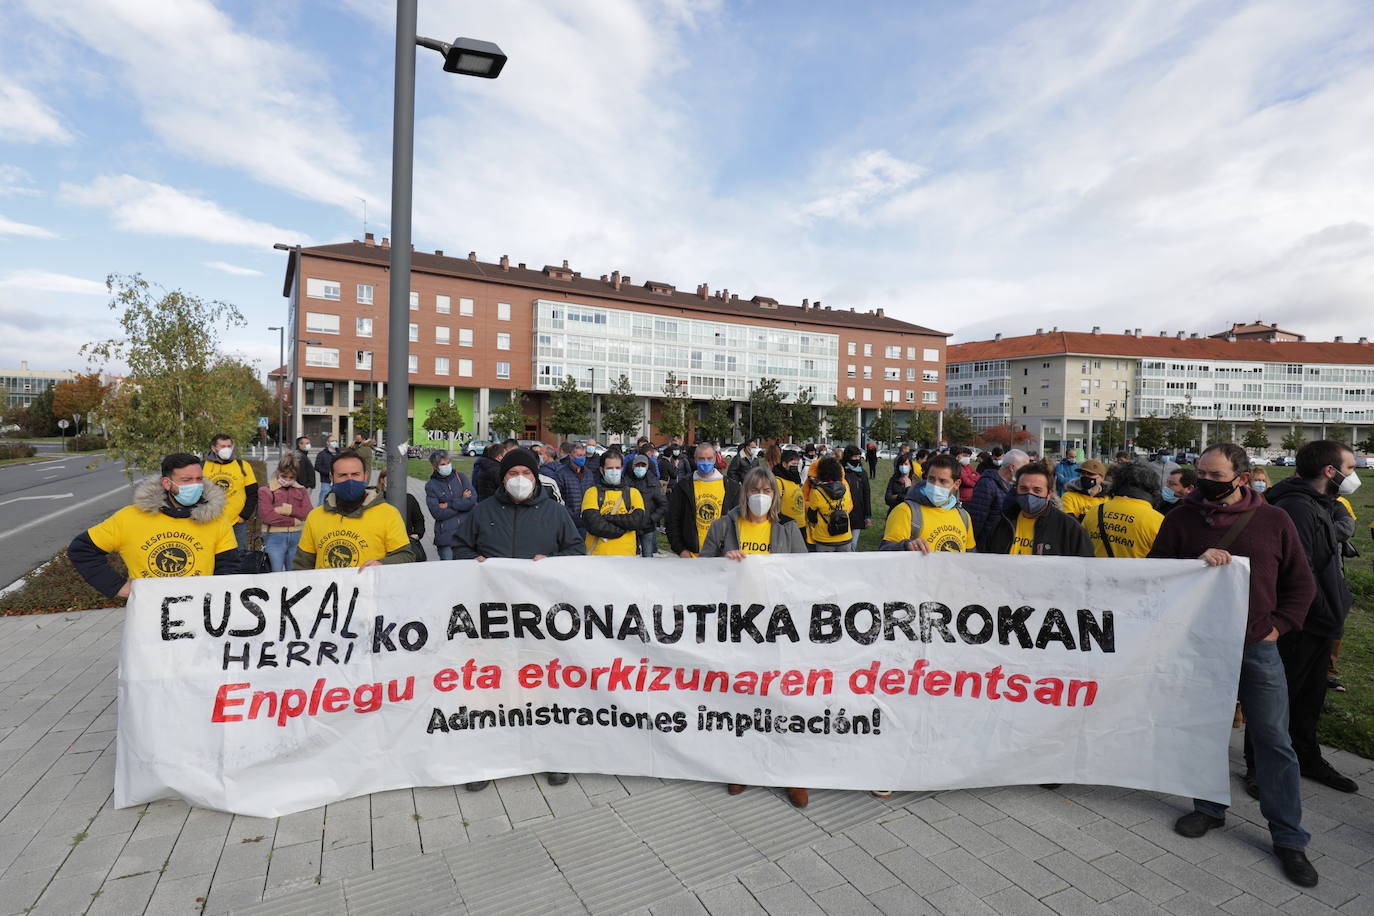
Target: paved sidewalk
{"points": [[603, 844]]}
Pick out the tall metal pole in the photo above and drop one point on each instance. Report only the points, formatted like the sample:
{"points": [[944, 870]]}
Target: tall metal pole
{"points": [[398, 327], [281, 399]]}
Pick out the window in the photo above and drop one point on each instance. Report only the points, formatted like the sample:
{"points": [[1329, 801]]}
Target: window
{"points": [[364, 327], [414, 366], [1084, 386], [849, 392], [1044, 365], [364, 294], [930, 375], [852, 370], [868, 372], [930, 356], [319, 323], [892, 373], [1084, 406], [929, 397], [853, 351], [503, 370], [441, 365], [464, 306], [503, 311], [322, 289], [362, 359], [465, 337], [1044, 405], [441, 336], [465, 368], [503, 341], [891, 394], [443, 305], [1044, 383], [868, 394], [414, 301], [911, 354], [910, 395], [868, 349], [890, 352], [414, 333], [911, 375], [326, 357]]}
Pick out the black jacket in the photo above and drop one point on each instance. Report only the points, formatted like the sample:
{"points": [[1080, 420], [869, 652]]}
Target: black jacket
{"points": [[681, 524], [501, 527], [486, 476], [305, 471], [600, 525], [896, 490], [740, 465], [655, 503], [1057, 534], [1313, 516], [324, 465], [861, 492]]}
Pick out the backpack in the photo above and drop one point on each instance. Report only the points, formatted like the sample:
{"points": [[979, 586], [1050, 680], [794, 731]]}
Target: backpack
{"points": [[917, 522], [837, 519]]}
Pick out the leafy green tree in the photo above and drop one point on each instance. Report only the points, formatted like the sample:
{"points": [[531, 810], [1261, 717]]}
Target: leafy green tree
{"points": [[1111, 432], [883, 429], [444, 417], [570, 408], [1180, 429], [842, 420], [1151, 433], [172, 400], [1292, 440], [508, 420], [370, 415], [1367, 446], [40, 419], [958, 427], [804, 422], [82, 395], [622, 413], [1224, 431], [672, 408], [1257, 435], [770, 413], [718, 424], [921, 428]]}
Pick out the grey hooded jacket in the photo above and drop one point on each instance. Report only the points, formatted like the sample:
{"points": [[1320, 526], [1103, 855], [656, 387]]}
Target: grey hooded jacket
{"points": [[723, 536]]}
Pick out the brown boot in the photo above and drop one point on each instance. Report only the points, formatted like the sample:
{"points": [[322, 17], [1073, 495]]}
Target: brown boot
{"points": [[1239, 718], [734, 788], [798, 797]]}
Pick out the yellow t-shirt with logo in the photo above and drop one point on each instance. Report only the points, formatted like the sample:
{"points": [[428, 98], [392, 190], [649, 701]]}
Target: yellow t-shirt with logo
{"points": [[1023, 542], [1078, 504], [756, 537], [824, 505], [155, 545], [627, 545], [339, 541], [943, 529], [1132, 525], [708, 500], [793, 505], [231, 477]]}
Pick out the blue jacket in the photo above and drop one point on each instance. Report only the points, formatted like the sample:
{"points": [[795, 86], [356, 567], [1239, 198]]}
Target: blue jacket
{"points": [[572, 486], [1065, 473], [448, 490], [985, 505]]}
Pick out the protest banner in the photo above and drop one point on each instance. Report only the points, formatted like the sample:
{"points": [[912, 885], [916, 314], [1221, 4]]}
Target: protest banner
{"points": [[265, 695]]}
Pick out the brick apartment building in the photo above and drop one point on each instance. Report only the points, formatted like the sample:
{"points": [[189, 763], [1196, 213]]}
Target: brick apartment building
{"points": [[479, 330]]}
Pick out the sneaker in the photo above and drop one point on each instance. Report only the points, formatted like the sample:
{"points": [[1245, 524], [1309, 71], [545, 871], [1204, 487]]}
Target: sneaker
{"points": [[1334, 684], [1296, 867], [557, 779], [477, 786], [1326, 774], [1196, 824], [881, 793]]}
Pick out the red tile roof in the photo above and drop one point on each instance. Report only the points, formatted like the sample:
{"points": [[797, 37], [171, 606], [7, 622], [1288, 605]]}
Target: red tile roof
{"points": [[1064, 342]]}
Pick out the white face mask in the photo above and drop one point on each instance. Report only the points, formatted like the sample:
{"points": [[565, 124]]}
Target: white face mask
{"points": [[333, 444], [1350, 484], [965, 460], [225, 453], [445, 470], [519, 488], [760, 503], [306, 447]]}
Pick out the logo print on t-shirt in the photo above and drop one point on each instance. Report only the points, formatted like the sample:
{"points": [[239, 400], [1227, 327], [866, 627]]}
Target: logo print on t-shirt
{"points": [[222, 482], [341, 550], [708, 508], [169, 560]]}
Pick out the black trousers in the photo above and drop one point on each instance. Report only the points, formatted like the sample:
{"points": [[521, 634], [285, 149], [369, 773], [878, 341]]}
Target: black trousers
{"points": [[1305, 660]]}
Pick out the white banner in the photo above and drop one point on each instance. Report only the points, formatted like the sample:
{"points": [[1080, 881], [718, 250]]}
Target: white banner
{"points": [[265, 695]]}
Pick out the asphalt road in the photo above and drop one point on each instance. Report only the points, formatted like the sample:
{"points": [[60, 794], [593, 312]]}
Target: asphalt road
{"points": [[44, 505]]}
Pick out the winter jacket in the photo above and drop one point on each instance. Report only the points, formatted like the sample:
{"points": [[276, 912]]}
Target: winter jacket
{"points": [[1313, 516], [486, 477], [449, 491], [1065, 473], [305, 471], [573, 485], [896, 490], [324, 464], [655, 503], [373, 501], [94, 565], [297, 497], [501, 527], [613, 525], [723, 536], [985, 505], [968, 479], [741, 465], [1281, 584], [861, 492], [1056, 534], [681, 521]]}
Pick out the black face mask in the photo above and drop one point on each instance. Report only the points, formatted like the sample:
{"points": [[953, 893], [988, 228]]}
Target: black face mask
{"points": [[1216, 490]]}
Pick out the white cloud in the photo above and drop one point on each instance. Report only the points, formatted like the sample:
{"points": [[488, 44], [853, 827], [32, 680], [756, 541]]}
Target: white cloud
{"points": [[15, 182], [10, 227], [43, 281], [865, 178], [25, 119], [233, 269], [147, 207]]}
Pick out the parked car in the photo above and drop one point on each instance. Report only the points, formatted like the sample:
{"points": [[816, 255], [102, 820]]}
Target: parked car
{"points": [[1364, 461], [1259, 461], [1285, 461], [476, 447], [886, 454]]}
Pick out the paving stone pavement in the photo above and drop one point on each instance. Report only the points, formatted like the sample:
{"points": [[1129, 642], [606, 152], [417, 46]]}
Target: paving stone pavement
{"points": [[605, 844]]}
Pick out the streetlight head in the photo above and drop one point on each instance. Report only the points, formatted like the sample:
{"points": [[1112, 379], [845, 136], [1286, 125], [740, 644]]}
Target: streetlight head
{"points": [[474, 57], [280, 246]]}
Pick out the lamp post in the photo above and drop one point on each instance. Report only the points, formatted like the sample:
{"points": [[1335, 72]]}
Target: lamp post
{"points": [[281, 401], [466, 56]]}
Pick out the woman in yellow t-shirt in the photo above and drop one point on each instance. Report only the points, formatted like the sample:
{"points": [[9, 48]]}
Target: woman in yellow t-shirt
{"points": [[613, 512], [828, 497]]}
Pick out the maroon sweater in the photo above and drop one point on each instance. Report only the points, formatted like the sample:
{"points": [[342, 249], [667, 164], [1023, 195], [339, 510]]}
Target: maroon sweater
{"points": [[1281, 584]]}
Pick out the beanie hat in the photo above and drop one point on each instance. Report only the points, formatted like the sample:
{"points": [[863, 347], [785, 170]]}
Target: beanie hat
{"points": [[519, 457]]}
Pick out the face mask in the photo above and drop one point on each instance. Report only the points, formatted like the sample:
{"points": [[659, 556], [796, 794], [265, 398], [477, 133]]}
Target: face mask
{"points": [[349, 491], [188, 494], [225, 453], [579, 460], [1087, 483], [640, 470], [445, 470], [1216, 490], [519, 488], [1169, 495], [855, 465], [287, 481], [306, 447], [705, 467], [940, 497], [997, 462], [965, 460], [612, 476], [1350, 484], [1259, 486], [756, 451], [759, 503], [904, 469], [333, 444], [1031, 504]]}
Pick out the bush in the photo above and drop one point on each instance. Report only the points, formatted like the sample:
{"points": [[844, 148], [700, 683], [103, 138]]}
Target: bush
{"points": [[57, 587], [11, 450], [89, 444]]}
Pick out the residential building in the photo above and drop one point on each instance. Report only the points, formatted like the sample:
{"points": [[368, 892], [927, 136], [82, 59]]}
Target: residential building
{"points": [[1061, 386], [480, 329], [20, 386]]}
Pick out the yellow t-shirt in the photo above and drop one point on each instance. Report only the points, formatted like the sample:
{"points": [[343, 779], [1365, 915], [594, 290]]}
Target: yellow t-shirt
{"points": [[627, 545], [231, 477], [339, 541], [756, 538], [916, 468], [1077, 504], [1132, 525], [792, 505], [709, 502], [1023, 543], [1349, 508], [824, 505], [943, 529], [155, 545]]}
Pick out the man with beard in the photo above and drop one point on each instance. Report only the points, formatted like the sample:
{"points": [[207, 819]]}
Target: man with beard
{"points": [[354, 525]]}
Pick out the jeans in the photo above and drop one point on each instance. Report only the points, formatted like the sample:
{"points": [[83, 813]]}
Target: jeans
{"points": [[854, 539], [324, 491], [241, 534], [281, 548], [648, 542], [837, 547], [1264, 697], [445, 551]]}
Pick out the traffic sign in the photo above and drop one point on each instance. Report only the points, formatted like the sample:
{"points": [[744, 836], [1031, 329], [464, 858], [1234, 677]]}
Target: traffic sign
{"points": [[63, 424], [262, 422]]}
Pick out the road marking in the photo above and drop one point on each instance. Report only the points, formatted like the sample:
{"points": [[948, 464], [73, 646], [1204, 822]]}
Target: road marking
{"points": [[52, 496], [63, 511]]}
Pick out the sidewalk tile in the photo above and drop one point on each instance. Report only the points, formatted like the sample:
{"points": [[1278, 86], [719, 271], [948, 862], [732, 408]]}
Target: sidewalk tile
{"points": [[970, 837], [873, 838], [863, 871], [919, 835], [972, 873], [915, 871], [1022, 838], [845, 900], [1072, 902], [788, 900], [1026, 873], [124, 896], [1084, 845], [1129, 844], [969, 806], [763, 876], [730, 900], [681, 904], [1013, 901], [1088, 879], [1148, 884], [810, 871], [1132, 904], [958, 901], [1192, 879], [178, 896]]}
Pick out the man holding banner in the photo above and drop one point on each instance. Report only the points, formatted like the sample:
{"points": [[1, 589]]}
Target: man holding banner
{"points": [[1224, 517], [354, 525]]}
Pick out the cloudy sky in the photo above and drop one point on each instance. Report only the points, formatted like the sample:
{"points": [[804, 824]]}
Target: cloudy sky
{"points": [[971, 166]]}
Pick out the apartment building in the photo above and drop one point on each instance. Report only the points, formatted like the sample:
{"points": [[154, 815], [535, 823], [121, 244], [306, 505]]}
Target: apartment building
{"points": [[480, 329], [20, 386], [1060, 386]]}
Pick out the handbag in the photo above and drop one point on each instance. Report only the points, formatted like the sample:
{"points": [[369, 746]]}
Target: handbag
{"points": [[255, 560]]}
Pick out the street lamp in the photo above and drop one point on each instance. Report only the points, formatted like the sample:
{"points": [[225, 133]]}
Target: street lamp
{"points": [[467, 56], [281, 401]]}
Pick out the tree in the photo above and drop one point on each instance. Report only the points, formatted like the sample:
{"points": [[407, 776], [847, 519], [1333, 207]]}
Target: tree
{"points": [[39, 419], [718, 424], [921, 428], [769, 412], [672, 408], [82, 395], [444, 417], [1367, 446], [883, 429], [804, 422], [1256, 436], [1111, 432], [370, 415], [570, 408], [843, 420], [1180, 429], [1225, 431], [173, 400], [621, 411], [958, 426], [1293, 440], [1151, 433], [508, 420]]}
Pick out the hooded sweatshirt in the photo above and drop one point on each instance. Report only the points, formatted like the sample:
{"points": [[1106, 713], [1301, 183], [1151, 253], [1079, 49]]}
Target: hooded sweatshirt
{"points": [[1313, 516], [826, 498], [337, 536]]}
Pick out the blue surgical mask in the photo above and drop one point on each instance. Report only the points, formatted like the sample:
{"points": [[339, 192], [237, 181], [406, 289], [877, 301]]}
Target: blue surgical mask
{"points": [[997, 462], [1031, 504], [349, 491], [640, 470], [904, 469], [612, 476], [188, 494], [579, 460], [705, 467], [1169, 495], [855, 465], [1259, 486], [940, 497], [445, 470]]}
